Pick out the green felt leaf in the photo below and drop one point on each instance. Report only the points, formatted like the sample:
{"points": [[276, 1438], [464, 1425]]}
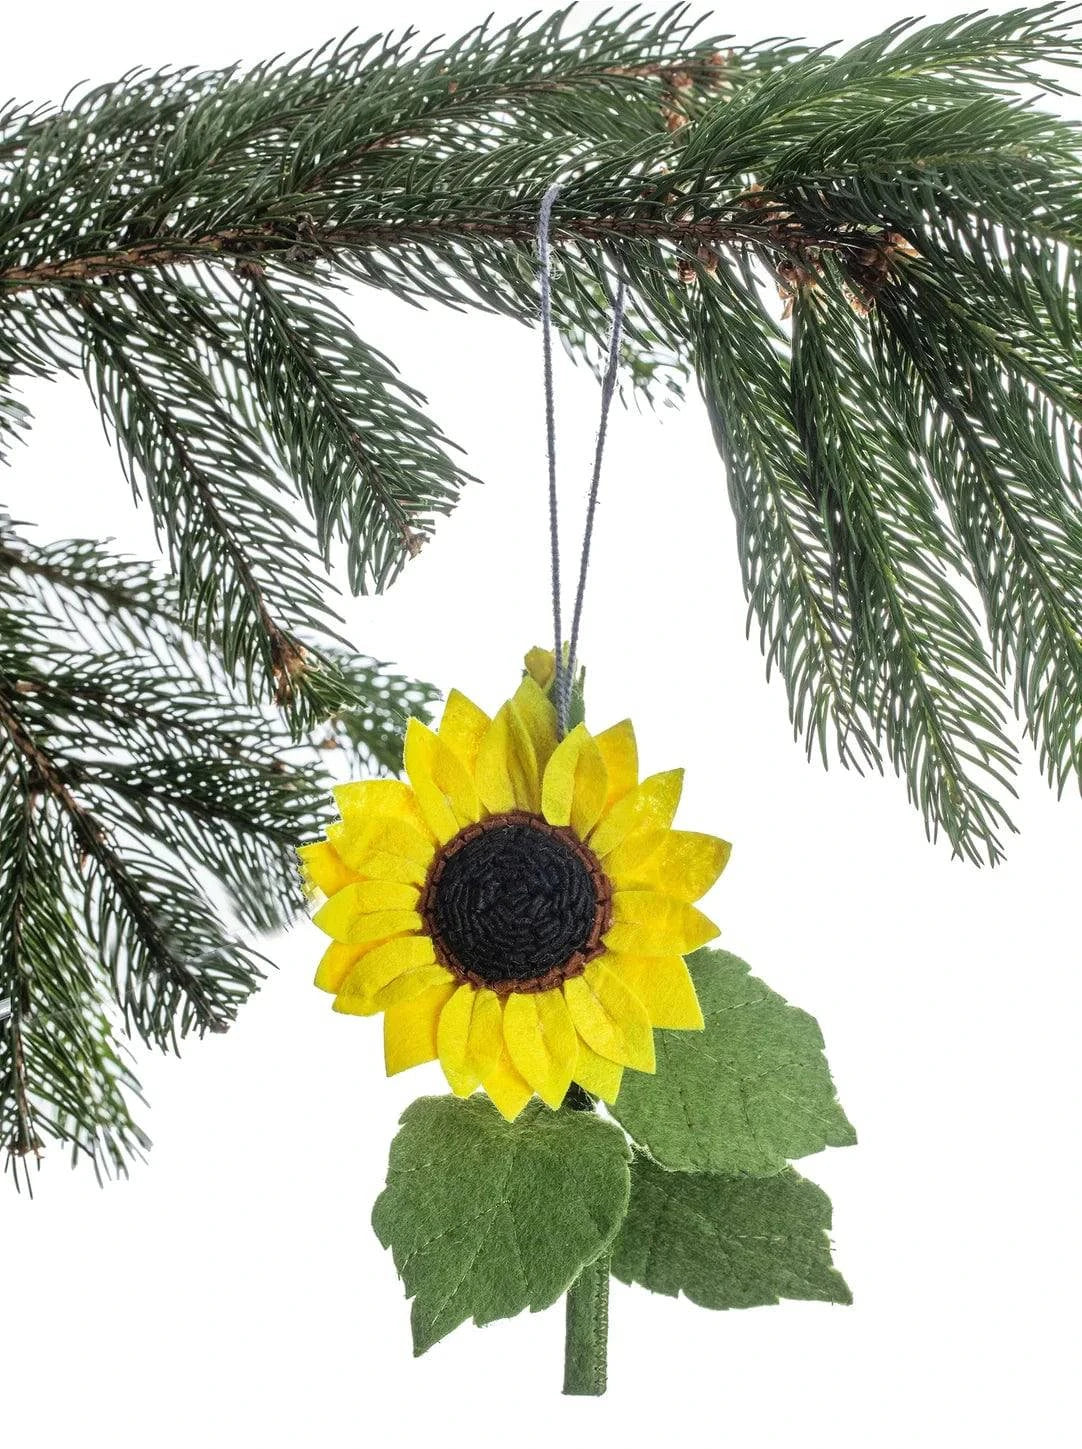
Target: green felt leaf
{"points": [[746, 1094], [487, 1217], [727, 1242]]}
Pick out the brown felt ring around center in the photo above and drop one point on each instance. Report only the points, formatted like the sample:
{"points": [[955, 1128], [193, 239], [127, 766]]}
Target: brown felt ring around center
{"points": [[577, 962]]}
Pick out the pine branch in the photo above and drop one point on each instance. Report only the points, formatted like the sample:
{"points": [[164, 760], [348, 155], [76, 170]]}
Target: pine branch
{"points": [[136, 787], [372, 468], [913, 634]]}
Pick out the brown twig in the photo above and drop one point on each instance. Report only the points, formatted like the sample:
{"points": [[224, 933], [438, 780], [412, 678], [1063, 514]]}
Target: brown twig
{"points": [[252, 244], [95, 845]]}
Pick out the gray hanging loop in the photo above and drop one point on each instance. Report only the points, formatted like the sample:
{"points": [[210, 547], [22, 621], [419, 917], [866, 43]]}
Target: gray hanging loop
{"points": [[565, 670]]}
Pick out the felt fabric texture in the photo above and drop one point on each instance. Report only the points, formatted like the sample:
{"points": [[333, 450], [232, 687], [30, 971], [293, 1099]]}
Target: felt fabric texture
{"points": [[544, 1024], [727, 1242], [409, 1029], [746, 1095], [513, 1214]]}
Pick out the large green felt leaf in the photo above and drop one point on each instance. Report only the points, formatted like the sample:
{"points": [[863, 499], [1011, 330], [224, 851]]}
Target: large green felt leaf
{"points": [[487, 1217], [727, 1242], [747, 1094]]}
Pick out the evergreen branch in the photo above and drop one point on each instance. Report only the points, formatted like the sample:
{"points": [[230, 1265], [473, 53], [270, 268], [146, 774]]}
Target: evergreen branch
{"points": [[915, 643], [1000, 478], [124, 893], [372, 468], [131, 783], [245, 570], [788, 570]]}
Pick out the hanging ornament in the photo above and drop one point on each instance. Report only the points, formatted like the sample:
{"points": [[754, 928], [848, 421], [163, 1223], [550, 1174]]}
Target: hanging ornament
{"points": [[521, 908]]}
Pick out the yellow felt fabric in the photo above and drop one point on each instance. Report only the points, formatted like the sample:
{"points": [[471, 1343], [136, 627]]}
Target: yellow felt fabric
{"points": [[410, 984], [575, 786], [403, 988], [649, 924], [383, 963], [508, 775], [336, 964], [323, 868], [610, 1018], [597, 1074], [664, 986], [383, 848], [649, 806], [452, 1041], [486, 1032], [446, 794], [541, 666], [361, 799], [362, 898], [686, 864], [542, 1041], [463, 727], [538, 715], [349, 920], [409, 1030], [506, 1086], [625, 865], [621, 756]]}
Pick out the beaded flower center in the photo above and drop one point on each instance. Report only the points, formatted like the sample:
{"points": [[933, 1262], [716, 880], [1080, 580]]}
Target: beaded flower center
{"points": [[516, 904]]}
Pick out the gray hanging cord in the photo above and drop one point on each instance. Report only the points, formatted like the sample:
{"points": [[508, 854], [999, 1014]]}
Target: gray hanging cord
{"points": [[544, 224], [565, 673], [608, 387]]}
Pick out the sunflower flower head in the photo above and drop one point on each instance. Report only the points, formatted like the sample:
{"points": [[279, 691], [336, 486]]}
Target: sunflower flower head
{"points": [[519, 906]]}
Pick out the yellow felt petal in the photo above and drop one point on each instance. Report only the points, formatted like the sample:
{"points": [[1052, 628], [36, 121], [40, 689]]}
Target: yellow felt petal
{"points": [[383, 963], [350, 913], [621, 756], [538, 715], [361, 799], [541, 666], [507, 1088], [452, 1039], [664, 986], [575, 786], [542, 1041], [610, 1018], [353, 1001], [409, 1030], [650, 924], [685, 864], [446, 794], [463, 727], [649, 806], [508, 775], [336, 964], [349, 917], [323, 867], [358, 838], [408, 985], [382, 848], [626, 865], [597, 1074], [486, 1032]]}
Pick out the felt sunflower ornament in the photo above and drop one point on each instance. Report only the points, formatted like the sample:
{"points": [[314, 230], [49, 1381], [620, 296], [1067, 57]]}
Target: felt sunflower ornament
{"points": [[624, 1103], [520, 909]]}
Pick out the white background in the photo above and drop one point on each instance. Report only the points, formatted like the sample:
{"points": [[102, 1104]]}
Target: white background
{"points": [[232, 1292]]}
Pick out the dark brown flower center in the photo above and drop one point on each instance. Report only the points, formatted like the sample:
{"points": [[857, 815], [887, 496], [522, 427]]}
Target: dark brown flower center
{"points": [[516, 904]]}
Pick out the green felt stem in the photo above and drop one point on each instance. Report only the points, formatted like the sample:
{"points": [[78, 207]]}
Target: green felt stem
{"points": [[587, 1335]]}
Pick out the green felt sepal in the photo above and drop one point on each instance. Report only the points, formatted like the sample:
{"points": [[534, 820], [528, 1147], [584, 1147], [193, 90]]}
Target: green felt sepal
{"points": [[727, 1242], [486, 1217], [745, 1095]]}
